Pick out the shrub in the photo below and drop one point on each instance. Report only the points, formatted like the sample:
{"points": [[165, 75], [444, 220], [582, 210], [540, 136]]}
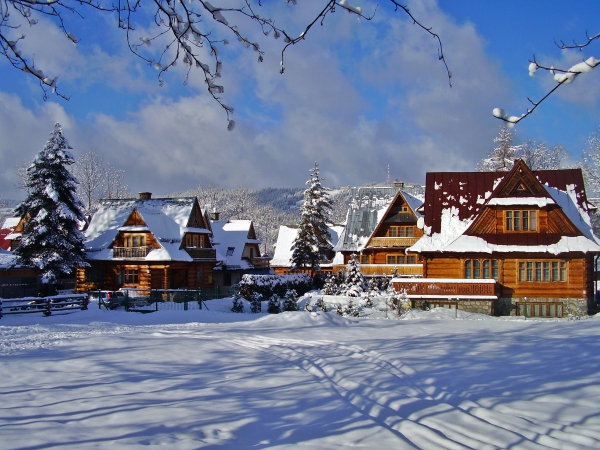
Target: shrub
{"points": [[268, 285]]}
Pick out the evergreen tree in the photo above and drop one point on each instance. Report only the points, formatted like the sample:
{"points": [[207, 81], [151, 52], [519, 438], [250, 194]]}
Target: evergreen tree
{"points": [[274, 306], [502, 157], [291, 301], [51, 238], [238, 305], [312, 245], [355, 280]]}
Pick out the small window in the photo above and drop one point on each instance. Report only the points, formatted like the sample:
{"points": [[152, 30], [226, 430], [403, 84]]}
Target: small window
{"points": [[230, 251], [364, 259]]}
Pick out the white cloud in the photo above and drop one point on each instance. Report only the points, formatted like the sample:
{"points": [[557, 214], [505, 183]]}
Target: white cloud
{"points": [[356, 96]]}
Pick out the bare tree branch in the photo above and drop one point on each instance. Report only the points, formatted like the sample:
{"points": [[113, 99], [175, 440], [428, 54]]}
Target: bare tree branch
{"points": [[190, 30]]}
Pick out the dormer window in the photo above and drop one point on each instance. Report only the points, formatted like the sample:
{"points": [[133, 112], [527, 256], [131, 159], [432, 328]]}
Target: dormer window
{"points": [[194, 240], [520, 220], [135, 240]]}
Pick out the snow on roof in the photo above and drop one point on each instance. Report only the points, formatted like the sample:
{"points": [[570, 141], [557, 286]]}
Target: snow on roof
{"points": [[166, 219], [285, 240], [367, 209], [455, 199], [10, 222], [7, 259], [230, 239]]}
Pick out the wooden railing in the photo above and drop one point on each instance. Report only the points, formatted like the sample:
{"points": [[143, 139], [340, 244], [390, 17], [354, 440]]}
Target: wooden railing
{"points": [[260, 261], [130, 252], [392, 241], [446, 287], [206, 254], [387, 269]]}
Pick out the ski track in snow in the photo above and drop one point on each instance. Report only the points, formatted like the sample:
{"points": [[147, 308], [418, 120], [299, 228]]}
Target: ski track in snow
{"points": [[424, 416]]}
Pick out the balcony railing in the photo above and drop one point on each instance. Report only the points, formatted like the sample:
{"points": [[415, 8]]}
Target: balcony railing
{"points": [[131, 252], [436, 287], [392, 241], [206, 254], [260, 261], [386, 269]]}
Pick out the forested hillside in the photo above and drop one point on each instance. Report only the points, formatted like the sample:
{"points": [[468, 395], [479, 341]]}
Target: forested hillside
{"points": [[268, 208]]}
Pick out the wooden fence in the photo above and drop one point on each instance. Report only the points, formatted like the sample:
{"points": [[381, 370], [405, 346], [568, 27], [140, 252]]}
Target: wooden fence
{"points": [[44, 305]]}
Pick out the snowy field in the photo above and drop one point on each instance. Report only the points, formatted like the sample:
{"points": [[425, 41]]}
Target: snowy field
{"points": [[208, 379]]}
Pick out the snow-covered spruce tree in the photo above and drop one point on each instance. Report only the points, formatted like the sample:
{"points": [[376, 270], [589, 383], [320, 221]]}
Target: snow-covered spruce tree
{"points": [[502, 157], [255, 303], [51, 238], [274, 306], [238, 305], [355, 281], [312, 244], [291, 301]]}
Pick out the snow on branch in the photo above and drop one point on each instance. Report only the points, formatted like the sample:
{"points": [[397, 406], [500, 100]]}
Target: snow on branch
{"points": [[561, 76]]}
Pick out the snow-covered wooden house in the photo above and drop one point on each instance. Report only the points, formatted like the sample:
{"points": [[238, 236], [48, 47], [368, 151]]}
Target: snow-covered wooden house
{"points": [[281, 262], [238, 252], [146, 243], [517, 242], [381, 224], [11, 232]]}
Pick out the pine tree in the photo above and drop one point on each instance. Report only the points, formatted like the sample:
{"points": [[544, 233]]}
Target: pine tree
{"points": [[274, 306], [355, 280], [291, 301], [502, 157], [51, 239], [312, 245]]}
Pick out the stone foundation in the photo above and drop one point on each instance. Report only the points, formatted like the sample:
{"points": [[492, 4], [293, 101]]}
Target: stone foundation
{"points": [[507, 306], [470, 306]]}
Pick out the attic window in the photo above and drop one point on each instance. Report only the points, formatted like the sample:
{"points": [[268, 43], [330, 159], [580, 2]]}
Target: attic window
{"points": [[230, 251], [521, 188]]}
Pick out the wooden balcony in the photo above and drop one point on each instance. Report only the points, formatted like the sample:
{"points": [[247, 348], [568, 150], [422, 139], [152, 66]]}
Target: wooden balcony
{"points": [[202, 254], [388, 242], [387, 269], [446, 288], [260, 261], [131, 252]]}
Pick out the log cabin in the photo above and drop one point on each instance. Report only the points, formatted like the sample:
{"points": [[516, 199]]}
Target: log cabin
{"points": [[506, 243], [146, 243], [381, 224]]}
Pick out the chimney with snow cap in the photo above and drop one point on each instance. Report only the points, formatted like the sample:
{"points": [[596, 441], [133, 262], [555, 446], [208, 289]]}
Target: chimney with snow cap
{"points": [[145, 195]]}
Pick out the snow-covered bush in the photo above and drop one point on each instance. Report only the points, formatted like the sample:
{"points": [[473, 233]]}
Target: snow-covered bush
{"points": [[267, 285], [291, 301], [238, 305], [274, 306], [307, 306], [398, 301], [350, 309], [331, 286], [355, 283], [255, 305]]}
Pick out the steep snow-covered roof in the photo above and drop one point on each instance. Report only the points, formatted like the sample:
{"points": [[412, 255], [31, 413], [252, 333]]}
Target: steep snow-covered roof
{"points": [[10, 222], [367, 209], [230, 239], [286, 238], [165, 218], [454, 200]]}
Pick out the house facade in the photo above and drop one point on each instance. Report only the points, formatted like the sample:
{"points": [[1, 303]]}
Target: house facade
{"points": [[146, 243], [506, 243], [381, 224], [238, 252]]}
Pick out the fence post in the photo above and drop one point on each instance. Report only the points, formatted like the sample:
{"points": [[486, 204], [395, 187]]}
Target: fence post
{"points": [[48, 311]]}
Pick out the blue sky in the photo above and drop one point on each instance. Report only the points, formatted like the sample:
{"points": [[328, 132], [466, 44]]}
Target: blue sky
{"points": [[355, 97]]}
